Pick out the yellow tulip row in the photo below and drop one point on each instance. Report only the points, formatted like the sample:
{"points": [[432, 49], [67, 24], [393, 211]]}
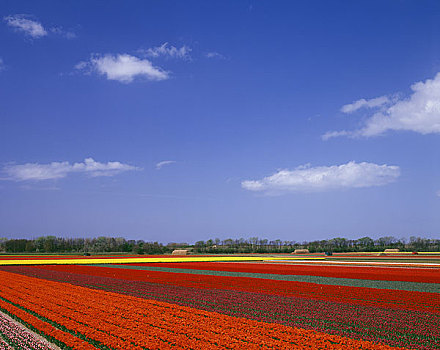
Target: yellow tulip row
{"points": [[148, 260]]}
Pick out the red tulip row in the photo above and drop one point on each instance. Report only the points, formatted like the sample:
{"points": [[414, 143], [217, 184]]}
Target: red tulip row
{"points": [[397, 299], [105, 320], [392, 326], [424, 275]]}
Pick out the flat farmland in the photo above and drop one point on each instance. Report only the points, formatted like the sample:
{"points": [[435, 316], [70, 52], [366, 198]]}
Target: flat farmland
{"points": [[361, 301]]}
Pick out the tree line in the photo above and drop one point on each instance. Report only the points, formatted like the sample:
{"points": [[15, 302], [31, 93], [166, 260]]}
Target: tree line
{"points": [[337, 245], [52, 244]]}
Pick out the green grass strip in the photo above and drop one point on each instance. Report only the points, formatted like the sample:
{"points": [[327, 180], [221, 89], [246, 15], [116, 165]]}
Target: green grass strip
{"points": [[333, 281]]}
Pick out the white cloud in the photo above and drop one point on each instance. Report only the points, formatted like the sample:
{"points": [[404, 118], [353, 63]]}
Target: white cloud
{"points": [[122, 67], [28, 26], [323, 178], [363, 103], [214, 54], [169, 51], [57, 170], [438, 193], [164, 162], [420, 112], [331, 134], [2, 65]]}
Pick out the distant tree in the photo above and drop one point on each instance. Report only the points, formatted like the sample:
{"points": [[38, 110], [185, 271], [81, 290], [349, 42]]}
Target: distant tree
{"points": [[364, 244], [30, 247], [15, 245], [3, 241]]}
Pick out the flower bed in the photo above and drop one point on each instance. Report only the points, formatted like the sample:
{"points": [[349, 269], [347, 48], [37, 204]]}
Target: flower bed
{"points": [[425, 275], [15, 336], [222, 305], [417, 301], [104, 320]]}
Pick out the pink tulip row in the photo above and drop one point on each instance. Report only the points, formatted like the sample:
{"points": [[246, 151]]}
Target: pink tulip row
{"points": [[4, 345], [18, 337]]}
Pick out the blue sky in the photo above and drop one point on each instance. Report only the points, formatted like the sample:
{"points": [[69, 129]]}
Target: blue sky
{"points": [[181, 121]]}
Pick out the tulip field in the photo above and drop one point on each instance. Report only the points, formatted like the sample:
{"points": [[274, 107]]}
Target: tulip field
{"points": [[212, 302]]}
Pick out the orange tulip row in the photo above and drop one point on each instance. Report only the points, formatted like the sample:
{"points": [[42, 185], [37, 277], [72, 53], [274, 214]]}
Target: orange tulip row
{"points": [[106, 319], [43, 327]]}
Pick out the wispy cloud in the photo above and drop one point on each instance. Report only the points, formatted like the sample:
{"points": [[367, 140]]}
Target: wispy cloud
{"points": [[214, 54], [363, 103], [39, 188], [58, 170], [122, 67], [323, 178], [163, 163], [2, 64], [169, 51], [331, 134], [26, 25], [419, 112], [68, 34]]}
